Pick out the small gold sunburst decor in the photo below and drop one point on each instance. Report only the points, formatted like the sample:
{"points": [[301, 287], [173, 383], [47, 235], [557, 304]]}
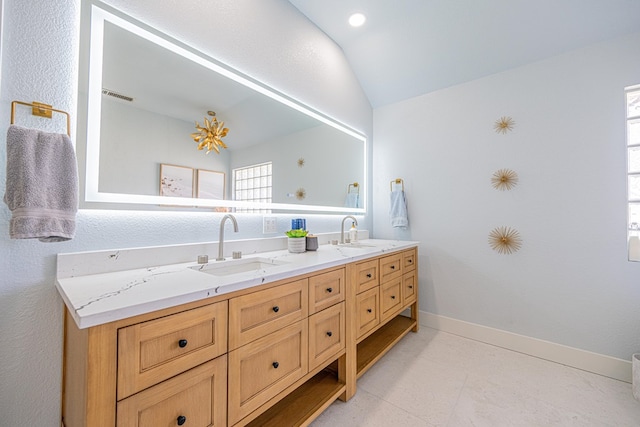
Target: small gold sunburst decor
{"points": [[504, 179], [300, 162], [301, 193], [505, 240], [504, 124], [210, 135]]}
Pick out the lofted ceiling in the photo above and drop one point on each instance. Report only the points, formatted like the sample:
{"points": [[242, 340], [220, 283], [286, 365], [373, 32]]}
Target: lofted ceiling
{"points": [[408, 48]]}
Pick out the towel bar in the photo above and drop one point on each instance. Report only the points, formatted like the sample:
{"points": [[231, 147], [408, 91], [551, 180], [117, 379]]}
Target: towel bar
{"points": [[40, 109]]}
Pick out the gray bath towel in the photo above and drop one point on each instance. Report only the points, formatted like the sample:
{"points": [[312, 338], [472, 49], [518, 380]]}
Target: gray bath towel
{"points": [[42, 185]]}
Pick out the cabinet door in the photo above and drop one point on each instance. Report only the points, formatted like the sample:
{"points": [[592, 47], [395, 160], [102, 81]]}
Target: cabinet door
{"points": [[367, 310], [194, 398], [326, 335], [409, 288], [390, 267], [255, 315], [367, 275], [326, 289], [153, 351], [390, 298], [263, 368]]}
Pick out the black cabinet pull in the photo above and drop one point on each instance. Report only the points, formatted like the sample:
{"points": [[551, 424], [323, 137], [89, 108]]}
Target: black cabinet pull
{"points": [[410, 261], [369, 275], [181, 420], [329, 333], [393, 297], [393, 267], [275, 365], [182, 344], [369, 310], [329, 290], [276, 309], [410, 286]]}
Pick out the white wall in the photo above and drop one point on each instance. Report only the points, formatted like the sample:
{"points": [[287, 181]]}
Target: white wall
{"points": [[571, 282], [40, 50]]}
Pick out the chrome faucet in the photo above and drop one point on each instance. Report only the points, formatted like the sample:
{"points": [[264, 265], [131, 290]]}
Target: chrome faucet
{"points": [[221, 238], [342, 227]]}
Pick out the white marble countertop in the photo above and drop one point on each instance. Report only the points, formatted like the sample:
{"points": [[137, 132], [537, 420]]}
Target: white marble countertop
{"points": [[95, 299]]}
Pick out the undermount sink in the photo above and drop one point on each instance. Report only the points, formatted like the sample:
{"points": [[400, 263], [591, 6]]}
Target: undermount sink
{"points": [[236, 266], [356, 245]]}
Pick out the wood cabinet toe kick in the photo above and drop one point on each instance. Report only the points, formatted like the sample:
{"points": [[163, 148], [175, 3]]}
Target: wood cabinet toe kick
{"points": [[277, 354]]}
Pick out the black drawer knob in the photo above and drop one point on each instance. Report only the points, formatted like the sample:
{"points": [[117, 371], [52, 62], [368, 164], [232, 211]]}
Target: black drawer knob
{"points": [[329, 290], [181, 420], [393, 297], [410, 286], [369, 275], [275, 365], [393, 267], [182, 344], [369, 310], [329, 333], [276, 309], [410, 261]]}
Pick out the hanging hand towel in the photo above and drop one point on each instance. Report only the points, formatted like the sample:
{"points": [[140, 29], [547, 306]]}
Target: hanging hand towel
{"points": [[398, 210], [42, 185], [352, 200]]}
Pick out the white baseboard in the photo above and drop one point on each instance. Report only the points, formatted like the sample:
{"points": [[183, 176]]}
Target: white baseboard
{"points": [[608, 366]]}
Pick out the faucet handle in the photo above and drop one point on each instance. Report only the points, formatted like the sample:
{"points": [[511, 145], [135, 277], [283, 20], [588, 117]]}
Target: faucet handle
{"points": [[203, 259]]}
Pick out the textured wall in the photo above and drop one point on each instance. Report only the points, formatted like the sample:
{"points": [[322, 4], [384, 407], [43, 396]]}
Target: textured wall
{"points": [[268, 39], [571, 282]]}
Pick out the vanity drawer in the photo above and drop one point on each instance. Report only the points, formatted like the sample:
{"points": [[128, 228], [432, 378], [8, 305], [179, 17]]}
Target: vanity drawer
{"points": [[390, 298], [409, 288], [367, 310], [153, 351], [194, 398], [255, 315], [409, 260], [263, 368], [390, 267], [326, 334], [326, 289], [367, 275]]}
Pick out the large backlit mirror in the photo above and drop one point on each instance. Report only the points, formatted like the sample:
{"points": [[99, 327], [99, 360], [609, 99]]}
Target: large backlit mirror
{"points": [[141, 93]]}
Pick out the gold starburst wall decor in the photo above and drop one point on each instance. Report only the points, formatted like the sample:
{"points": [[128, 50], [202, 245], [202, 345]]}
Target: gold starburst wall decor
{"points": [[504, 179], [505, 240], [301, 193], [300, 162], [504, 124], [210, 135]]}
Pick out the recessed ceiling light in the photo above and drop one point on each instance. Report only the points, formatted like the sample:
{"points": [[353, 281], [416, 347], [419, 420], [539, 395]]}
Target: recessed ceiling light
{"points": [[357, 19]]}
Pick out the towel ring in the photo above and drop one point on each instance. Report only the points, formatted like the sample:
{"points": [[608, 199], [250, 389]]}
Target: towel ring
{"points": [[355, 185], [396, 181], [41, 110]]}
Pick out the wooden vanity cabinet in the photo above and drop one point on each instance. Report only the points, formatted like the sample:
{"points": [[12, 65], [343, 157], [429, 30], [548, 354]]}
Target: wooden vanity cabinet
{"points": [[276, 355]]}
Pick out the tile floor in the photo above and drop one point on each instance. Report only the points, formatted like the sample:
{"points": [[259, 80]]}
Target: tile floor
{"points": [[433, 378]]}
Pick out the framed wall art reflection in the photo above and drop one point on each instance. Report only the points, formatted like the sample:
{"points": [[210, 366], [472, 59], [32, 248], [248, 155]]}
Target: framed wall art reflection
{"points": [[210, 184], [176, 181]]}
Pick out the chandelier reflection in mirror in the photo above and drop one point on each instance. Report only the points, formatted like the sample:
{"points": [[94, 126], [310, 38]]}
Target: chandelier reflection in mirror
{"points": [[210, 135]]}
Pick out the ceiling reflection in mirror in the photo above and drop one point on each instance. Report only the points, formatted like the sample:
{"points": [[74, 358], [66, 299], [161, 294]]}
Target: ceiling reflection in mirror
{"points": [[145, 93]]}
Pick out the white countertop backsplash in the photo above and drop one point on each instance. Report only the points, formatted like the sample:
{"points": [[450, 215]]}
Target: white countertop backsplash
{"points": [[105, 286]]}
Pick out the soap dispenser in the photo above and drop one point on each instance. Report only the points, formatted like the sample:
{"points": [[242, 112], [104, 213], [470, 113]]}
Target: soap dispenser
{"points": [[353, 233]]}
